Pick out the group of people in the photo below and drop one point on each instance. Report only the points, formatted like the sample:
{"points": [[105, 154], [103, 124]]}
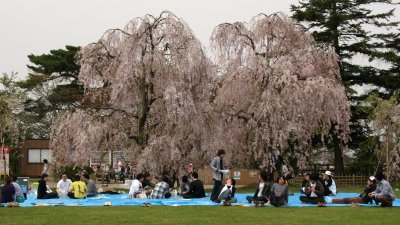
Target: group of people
{"points": [[314, 190], [11, 191], [317, 191], [81, 187]]}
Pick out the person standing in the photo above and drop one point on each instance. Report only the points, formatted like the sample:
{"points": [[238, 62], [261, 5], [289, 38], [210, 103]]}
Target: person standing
{"points": [[45, 169], [218, 170]]}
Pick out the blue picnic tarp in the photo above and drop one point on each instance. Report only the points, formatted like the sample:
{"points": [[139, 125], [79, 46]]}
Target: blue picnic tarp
{"points": [[123, 200]]}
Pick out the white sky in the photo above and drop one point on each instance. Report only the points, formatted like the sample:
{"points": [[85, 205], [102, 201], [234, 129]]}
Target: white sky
{"points": [[37, 26]]}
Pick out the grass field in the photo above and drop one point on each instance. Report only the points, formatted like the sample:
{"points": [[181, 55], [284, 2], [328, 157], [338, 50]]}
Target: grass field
{"points": [[197, 215], [203, 215]]}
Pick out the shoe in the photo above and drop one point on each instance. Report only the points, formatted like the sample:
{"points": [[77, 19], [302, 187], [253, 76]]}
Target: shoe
{"points": [[354, 204], [227, 203], [256, 203], [328, 200]]}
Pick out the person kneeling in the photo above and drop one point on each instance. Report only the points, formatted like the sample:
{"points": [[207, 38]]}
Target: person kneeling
{"points": [[78, 188], [314, 191], [279, 193], [227, 195]]}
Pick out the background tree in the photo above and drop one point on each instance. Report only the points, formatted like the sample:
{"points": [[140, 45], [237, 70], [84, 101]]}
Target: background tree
{"points": [[277, 88], [355, 30], [146, 91], [11, 105], [151, 91], [386, 121], [53, 86]]}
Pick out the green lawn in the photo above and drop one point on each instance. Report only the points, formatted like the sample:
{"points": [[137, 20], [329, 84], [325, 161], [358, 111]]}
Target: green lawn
{"points": [[197, 215]]}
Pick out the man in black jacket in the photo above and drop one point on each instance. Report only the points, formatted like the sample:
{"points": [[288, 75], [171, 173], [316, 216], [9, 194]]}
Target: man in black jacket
{"points": [[314, 191], [42, 189], [263, 190], [196, 188]]}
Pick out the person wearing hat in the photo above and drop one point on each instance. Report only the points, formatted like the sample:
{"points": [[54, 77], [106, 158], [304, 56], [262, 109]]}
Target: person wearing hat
{"points": [[314, 191], [329, 184], [384, 193], [363, 198]]}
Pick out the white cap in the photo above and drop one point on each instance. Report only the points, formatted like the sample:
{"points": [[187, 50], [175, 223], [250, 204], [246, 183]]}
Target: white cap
{"points": [[328, 173], [371, 178]]}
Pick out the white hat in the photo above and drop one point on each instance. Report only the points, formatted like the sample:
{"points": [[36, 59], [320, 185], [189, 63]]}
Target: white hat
{"points": [[371, 178], [328, 173]]}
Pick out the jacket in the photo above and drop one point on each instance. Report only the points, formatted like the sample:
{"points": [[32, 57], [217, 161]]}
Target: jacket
{"points": [[319, 189], [216, 168], [266, 191]]}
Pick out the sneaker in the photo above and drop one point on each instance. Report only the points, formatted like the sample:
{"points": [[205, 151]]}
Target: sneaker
{"points": [[328, 200]]}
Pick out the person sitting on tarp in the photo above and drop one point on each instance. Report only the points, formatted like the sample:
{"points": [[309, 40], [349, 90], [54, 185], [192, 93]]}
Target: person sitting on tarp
{"points": [[91, 186], [7, 191], [185, 185], [43, 191], [136, 186], [304, 182], [363, 198], [63, 184], [161, 190], [146, 183], [78, 188], [227, 195], [279, 193], [19, 194], [263, 190], [196, 188], [329, 184], [314, 191], [384, 192]]}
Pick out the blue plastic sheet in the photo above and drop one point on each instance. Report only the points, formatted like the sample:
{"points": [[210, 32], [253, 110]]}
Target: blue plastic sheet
{"points": [[123, 200]]}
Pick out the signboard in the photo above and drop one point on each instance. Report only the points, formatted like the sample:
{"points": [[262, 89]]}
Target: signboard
{"points": [[5, 157], [236, 175]]}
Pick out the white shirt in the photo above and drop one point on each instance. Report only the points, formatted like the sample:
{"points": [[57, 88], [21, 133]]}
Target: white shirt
{"points": [[332, 187], [64, 185], [260, 189], [135, 187], [312, 193]]}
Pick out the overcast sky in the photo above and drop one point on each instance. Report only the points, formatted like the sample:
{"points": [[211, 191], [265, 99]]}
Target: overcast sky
{"points": [[37, 26]]}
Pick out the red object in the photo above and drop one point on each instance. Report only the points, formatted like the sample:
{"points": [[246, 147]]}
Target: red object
{"points": [[6, 150]]}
